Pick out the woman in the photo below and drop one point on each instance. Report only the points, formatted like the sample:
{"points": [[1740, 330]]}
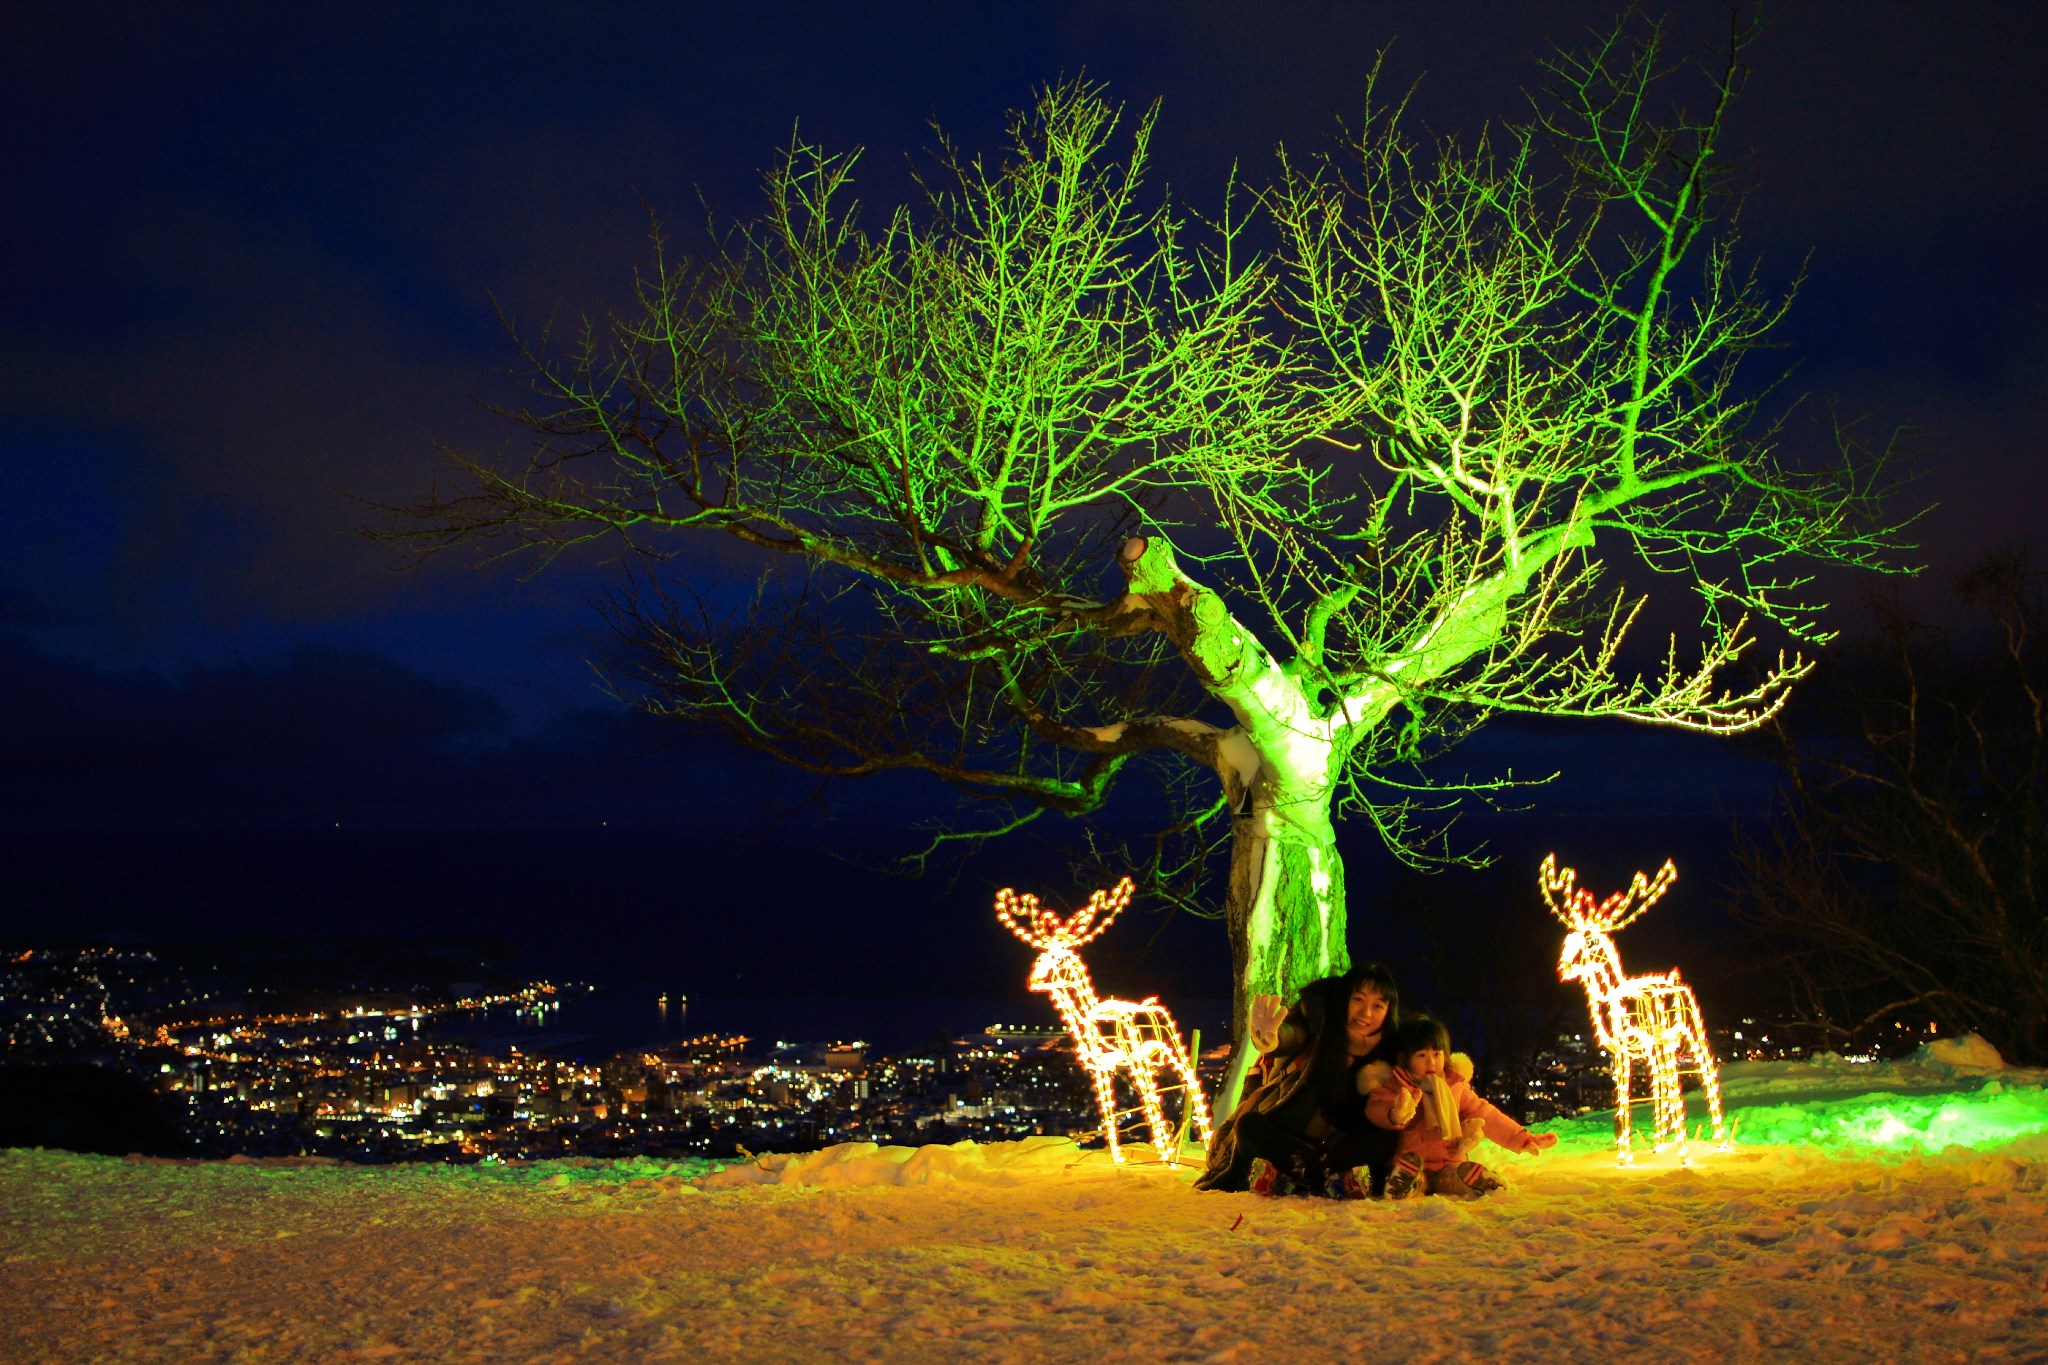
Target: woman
{"points": [[1304, 1119]]}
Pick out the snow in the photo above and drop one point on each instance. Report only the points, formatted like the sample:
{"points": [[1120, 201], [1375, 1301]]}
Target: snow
{"points": [[1967, 1053], [1939, 1065], [1867, 1243]]}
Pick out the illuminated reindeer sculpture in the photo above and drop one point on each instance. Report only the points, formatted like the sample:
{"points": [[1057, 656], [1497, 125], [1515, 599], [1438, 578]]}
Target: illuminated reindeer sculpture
{"points": [[1134, 1036], [1653, 1019]]}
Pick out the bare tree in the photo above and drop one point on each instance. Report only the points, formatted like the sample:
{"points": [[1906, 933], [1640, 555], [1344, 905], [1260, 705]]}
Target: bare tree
{"points": [[1359, 492], [1904, 881]]}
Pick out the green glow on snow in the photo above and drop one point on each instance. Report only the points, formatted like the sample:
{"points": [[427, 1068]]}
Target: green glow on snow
{"points": [[1915, 1122], [1909, 1123]]}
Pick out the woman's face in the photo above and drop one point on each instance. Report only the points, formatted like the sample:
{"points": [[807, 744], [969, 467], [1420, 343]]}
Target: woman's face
{"points": [[1368, 1010]]}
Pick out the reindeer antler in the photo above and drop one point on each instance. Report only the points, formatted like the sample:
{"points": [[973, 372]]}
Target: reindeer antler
{"points": [[1043, 928], [1556, 883], [1038, 927], [1578, 908], [1083, 928], [1615, 914]]}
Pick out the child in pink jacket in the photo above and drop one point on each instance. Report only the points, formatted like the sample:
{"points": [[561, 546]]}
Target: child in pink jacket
{"points": [[1427, 1095]]}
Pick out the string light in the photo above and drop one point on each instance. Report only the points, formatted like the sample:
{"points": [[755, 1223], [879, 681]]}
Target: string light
{"points": [[1654, 1019], [1138, 1037]]}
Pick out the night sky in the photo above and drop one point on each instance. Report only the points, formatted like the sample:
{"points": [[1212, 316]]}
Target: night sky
{"points": [[252, 258]]}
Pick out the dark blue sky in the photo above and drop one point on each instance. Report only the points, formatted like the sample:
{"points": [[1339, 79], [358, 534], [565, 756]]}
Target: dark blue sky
{"points": [[253, 253]]}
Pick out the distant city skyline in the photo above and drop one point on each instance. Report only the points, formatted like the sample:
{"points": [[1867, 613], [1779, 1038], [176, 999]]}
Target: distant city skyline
{"points": [[120, 1050]]}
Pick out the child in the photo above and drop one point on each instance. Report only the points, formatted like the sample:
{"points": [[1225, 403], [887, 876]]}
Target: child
{"points": [[1427, 1095]]}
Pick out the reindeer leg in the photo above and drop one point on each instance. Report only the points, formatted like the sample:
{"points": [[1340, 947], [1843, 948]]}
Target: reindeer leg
{"points": [[1624, 1082], [1669, 1103], [1710, 1080], [1656, 1055], [1677, 1037], [1146, 1082], [1105, 1100], [1709, 1068], [1192, 1101]]}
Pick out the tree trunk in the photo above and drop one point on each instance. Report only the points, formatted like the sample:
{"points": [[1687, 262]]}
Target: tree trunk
{"points": [[1285, 905], [1279, 766]]}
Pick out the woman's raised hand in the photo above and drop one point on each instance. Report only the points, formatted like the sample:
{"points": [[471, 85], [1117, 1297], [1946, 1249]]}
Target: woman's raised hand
{"points": [[1268, 1012]]}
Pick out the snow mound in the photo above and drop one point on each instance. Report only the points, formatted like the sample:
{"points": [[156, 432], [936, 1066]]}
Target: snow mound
{"points": [[1952, 1093], [1967, 1053], [1993, 1117], [994, 1163], [1937, 1066]]}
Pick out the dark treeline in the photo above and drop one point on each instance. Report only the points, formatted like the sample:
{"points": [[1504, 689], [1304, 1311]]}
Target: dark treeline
{"points": [[1903, 879]]}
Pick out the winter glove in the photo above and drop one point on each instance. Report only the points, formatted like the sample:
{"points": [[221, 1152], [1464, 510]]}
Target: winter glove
{"points": [[1404, 1108]]}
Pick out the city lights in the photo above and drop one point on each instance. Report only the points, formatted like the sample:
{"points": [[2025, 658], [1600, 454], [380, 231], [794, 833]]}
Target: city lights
{"points": [[1137, 1037], [1654, 1019], [319, 1071]]}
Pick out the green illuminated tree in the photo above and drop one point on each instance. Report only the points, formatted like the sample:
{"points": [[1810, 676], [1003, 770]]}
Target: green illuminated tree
{"points": [[1059, 479]]}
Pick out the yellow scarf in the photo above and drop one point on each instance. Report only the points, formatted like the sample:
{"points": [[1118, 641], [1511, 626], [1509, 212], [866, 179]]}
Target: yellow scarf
{"points": [[1438, 1107]]}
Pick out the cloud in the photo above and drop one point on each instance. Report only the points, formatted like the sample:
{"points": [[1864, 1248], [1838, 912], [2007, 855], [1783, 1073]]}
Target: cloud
{"points": [[313, 711], [324, 736]]}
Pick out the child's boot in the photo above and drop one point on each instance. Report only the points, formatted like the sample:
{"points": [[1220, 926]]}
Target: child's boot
{"points": [[1479, 1179], [1465, 1180], [1406, 1178], [1355, 1183]]}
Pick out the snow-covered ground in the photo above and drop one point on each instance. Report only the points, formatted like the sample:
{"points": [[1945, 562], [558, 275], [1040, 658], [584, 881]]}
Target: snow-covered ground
{"points": [[1841, 1226]]}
